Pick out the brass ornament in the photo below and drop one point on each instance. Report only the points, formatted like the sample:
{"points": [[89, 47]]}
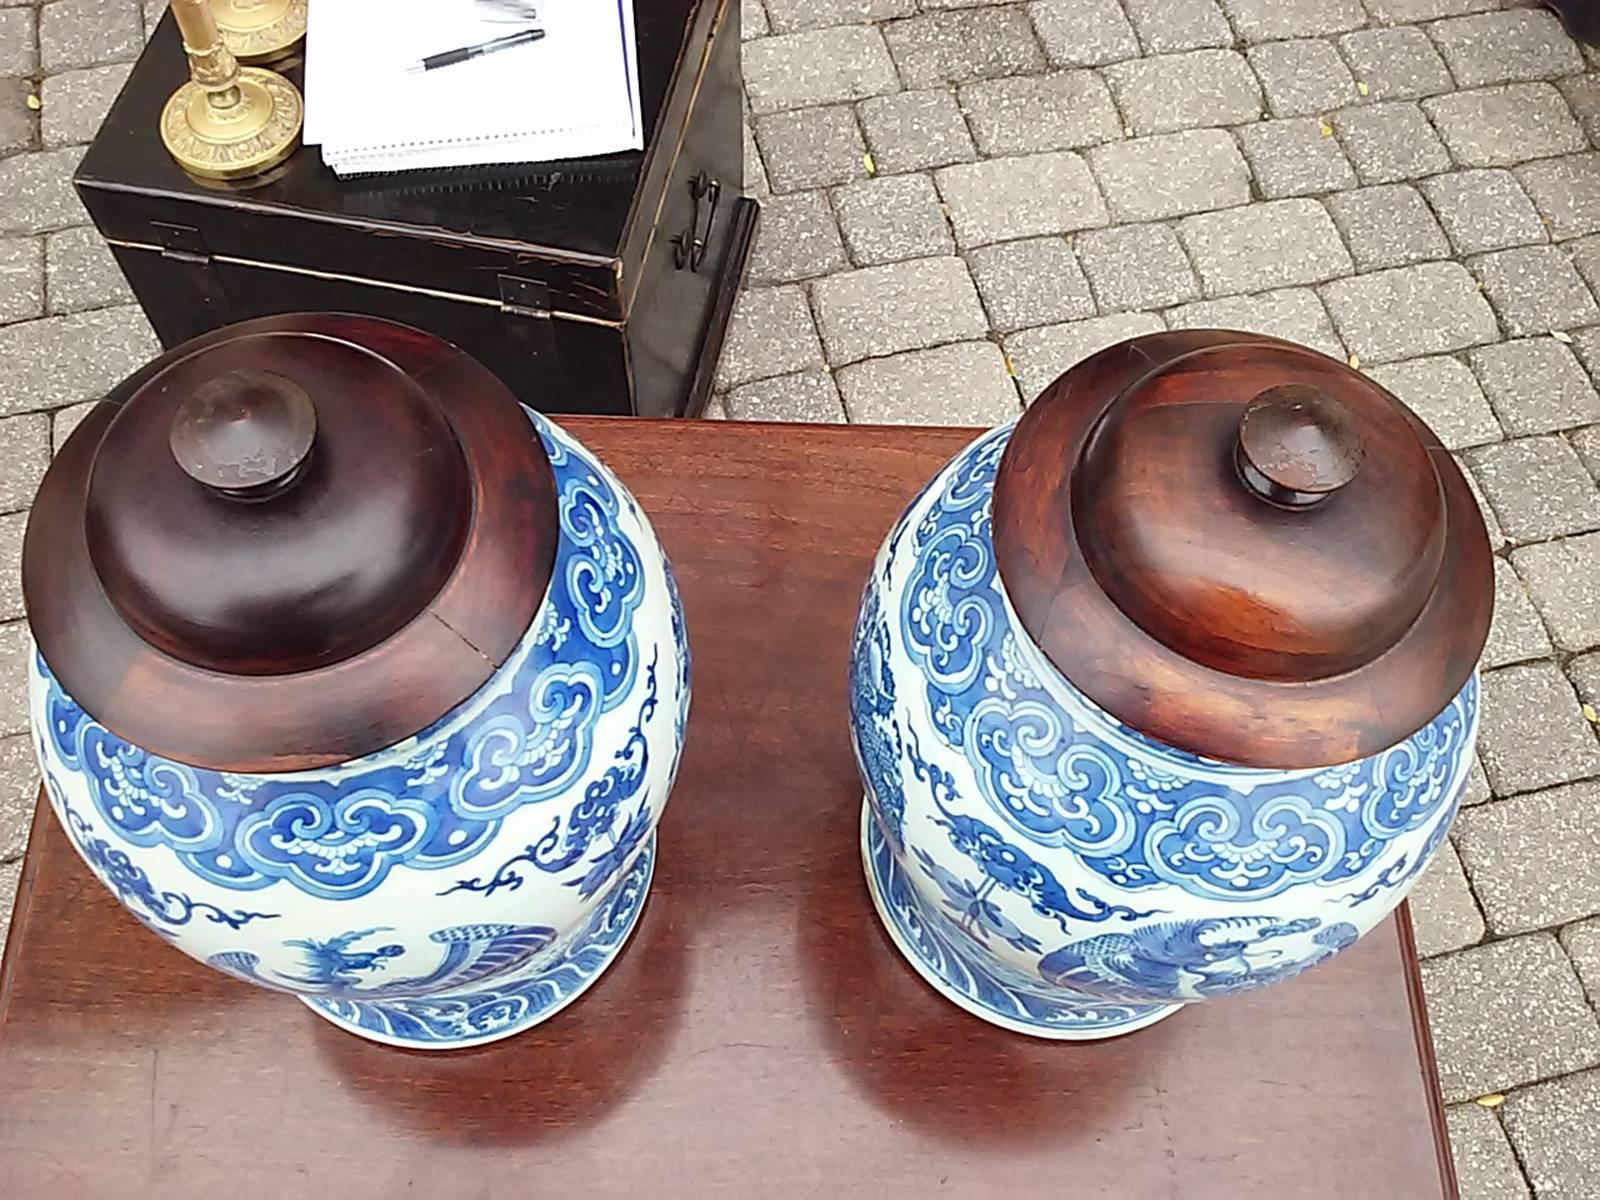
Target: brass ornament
{"points": [[227, 121], [259, 31]]}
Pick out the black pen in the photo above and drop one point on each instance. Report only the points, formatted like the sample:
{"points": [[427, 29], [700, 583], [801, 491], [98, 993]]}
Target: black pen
{"points": [[448, 58]]}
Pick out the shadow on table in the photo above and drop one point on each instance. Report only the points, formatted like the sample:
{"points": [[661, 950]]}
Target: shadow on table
{"points": [[560, 1077], [920, 1059]]}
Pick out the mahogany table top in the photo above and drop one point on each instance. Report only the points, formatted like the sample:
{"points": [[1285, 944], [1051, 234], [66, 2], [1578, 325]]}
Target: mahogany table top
{"points": [[759, 1035]]}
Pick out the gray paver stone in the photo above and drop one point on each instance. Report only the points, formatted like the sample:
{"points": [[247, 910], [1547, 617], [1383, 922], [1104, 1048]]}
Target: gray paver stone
{"points": [[1388, 226], [1484, 210], [1587, 443], [1503, 126], [1566, 192], [1390, 141], [1491, 523], [18, 43], [18, 123], [1553, 1128], [1301, 78], [755, 171], [753, 20], [795, 239], [1444, 915], [823, 66], [1563, 577], [811, 147], [902, 306], [1506, 47], [963, 44], [1536, 386], [1583, 95], [896, 217], [1584, 671], [19, 787], [36, 191], [1586, 257], [1538, 488], [64, 420], [14, 644], [1396, 12], [25, 449], [43, 364], [21, 278], [1582, 942], [1294, 314], [85, 33], [1171, 175], [1485, 1164], [1136, 266], [75, 102], [1003, 198], [1185, 91], [82, 272], [12, 527], [790, 15], [1033, 282], [1278, 244], [1267, 20], [1507, 1013], [1165, 27], [1039, 355], [1477, 790], [1396, 64], [1516, 634], [1533, 733], [8, 894], [912, 131], [1032, 113], [804, 396], [962, 384], [1535, 289], [1446, 395], [770, 333], [1431, 308], [1534, 860], [1294, 158], [1083, 33]]}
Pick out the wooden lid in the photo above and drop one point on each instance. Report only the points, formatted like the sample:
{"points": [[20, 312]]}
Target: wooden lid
{"points": [[289, 543], [1243, 548]]}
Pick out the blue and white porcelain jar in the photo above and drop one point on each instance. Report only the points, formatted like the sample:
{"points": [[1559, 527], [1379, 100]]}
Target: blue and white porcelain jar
{"points": [[1166, 691], [356, 680]]}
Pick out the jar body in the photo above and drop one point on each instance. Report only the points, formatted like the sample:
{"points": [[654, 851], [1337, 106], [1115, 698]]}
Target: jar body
{"points": [[1056, 872], [453, 888]]}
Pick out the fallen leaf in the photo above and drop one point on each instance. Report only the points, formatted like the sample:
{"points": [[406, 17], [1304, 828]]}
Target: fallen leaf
{"points": [[1355, 361], [1327, 130], [872, 167], [1361, 86], [1561, 336], [33, 102], [1590, 715], [1492, 1100]]}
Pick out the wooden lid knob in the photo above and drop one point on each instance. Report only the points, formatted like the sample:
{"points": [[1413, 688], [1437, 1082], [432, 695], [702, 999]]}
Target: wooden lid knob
{"points": [[246, 434], [1297, 445]]}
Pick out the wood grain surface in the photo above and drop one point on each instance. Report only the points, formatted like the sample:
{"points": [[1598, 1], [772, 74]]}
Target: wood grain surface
{"points": [[759, 1036], [1191, 608]]}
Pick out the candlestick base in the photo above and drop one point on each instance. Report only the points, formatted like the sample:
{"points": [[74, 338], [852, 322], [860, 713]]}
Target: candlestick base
{"points": [[259, 31], [217, 136]]}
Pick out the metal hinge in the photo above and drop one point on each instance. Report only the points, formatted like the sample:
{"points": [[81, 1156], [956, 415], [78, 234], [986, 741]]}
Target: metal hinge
{"points": [[182, 242], [528, 301]]}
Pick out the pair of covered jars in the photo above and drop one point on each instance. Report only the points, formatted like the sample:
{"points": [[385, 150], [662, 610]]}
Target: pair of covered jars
{"points": [[359, 681]]}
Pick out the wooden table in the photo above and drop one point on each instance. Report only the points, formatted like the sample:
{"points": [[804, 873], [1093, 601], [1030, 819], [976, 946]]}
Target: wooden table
{"points": [[759, 1036]]}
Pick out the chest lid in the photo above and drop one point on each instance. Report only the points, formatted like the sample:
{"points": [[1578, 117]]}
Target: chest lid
{"points": [[1243, 548], [289, 543]]}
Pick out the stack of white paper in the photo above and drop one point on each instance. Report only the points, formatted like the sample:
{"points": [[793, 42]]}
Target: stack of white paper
{"points": [[574, 93]]}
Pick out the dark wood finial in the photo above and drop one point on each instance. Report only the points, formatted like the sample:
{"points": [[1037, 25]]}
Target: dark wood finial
{"points": [[245, 434], [1297, 445]]}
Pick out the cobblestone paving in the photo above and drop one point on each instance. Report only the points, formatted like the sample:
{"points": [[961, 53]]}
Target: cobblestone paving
{"points": [[964, 198]]}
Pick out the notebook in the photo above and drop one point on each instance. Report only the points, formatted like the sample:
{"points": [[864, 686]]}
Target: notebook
{"points": [[574, 93]]}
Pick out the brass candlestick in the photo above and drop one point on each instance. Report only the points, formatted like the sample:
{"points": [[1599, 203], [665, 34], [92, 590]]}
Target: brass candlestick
{"points": [[259, 31], [227, 121]]}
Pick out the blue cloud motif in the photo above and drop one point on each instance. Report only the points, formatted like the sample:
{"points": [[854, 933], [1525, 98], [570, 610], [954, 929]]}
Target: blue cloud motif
{"points": [[524, 738], [946, 626]]}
